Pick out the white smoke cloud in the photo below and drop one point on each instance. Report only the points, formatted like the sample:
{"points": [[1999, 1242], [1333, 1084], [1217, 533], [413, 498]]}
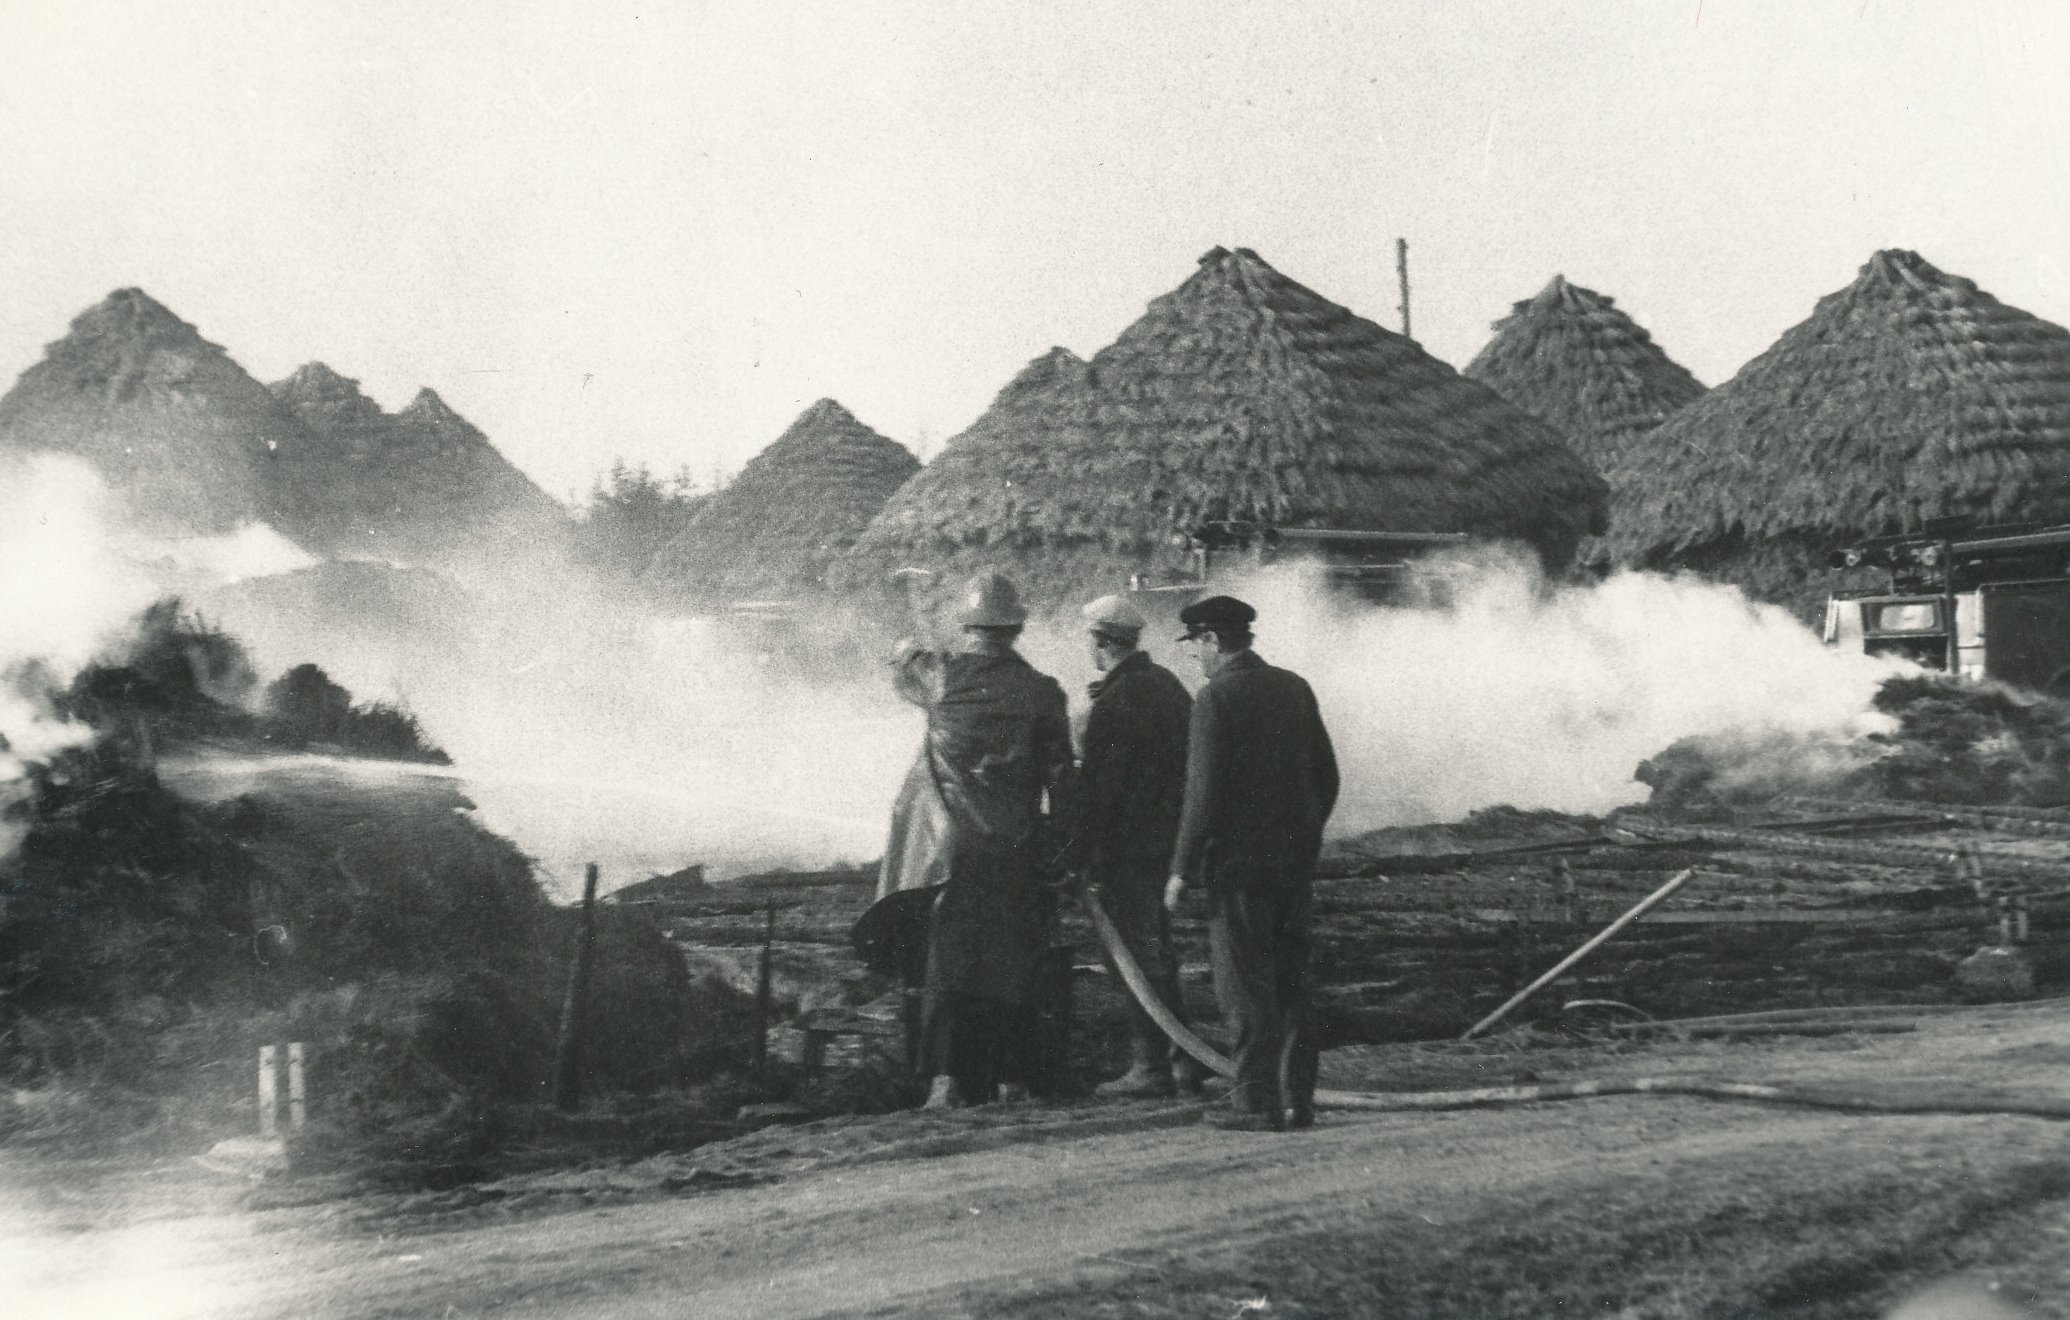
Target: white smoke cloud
{"points": [[588, 731], [1516, 694], [72, 578], [65, 584], [199, 562]]}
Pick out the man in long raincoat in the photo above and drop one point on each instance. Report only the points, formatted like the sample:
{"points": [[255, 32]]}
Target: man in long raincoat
{"points": [[968, 826]]}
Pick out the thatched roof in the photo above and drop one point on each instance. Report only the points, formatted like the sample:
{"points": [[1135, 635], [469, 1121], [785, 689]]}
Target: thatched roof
{"points": [[1241, 394], [1571, 358], [422, 485], [191, 442], [1909, 396], [771, 533]]}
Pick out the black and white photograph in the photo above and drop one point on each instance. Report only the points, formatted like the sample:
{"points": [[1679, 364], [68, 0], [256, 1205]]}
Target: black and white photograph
{"points": [[1175, 660]]}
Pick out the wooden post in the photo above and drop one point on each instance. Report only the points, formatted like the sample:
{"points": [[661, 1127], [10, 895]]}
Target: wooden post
{"points": [[1645, 905], [298, 1110], [269, 1091], [567, 1070], [1401, 266], [763, 992]]}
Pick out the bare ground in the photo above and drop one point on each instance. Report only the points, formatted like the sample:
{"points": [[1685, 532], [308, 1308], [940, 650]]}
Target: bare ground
{"points": [[1634, 1206]]}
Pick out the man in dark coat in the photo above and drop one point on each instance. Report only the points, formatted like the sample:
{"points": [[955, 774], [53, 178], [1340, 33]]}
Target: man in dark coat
{"points": [[1261, 779], [1131, 782], [966, 825]]}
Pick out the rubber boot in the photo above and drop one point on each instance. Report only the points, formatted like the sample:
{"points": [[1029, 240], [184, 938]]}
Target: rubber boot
{"points": [[944, 1094]]}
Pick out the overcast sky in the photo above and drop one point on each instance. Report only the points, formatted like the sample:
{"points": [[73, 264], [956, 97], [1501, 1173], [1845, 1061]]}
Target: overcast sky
{"points": [[662, 230]]}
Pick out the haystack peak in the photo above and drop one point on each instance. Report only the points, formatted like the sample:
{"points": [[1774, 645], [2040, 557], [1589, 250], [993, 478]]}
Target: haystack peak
{"points": [[794, 507], [1907, 396], [427, 406], [1894, 266], [823, 411], [1042, 374], [315, 390], [131, 317], [1571, 356], [824, 425]]}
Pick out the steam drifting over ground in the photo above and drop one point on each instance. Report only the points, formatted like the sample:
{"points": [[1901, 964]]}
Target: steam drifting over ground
{"points": [[1519, 695], [586, 728], [65, 588]]}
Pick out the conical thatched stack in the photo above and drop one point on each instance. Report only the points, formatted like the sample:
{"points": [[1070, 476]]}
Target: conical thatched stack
{"points": [[192, 444], [1908, 397], [419, 486], [1241, 394], [793, 508], [1570, 357]]}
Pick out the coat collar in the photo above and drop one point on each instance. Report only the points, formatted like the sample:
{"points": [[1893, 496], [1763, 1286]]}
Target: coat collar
{"points": [[979, 644], [1241, 661], [1133, 661]]}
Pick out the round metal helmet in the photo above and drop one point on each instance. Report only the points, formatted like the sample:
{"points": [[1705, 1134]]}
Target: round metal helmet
{"points": [[992, 601]]}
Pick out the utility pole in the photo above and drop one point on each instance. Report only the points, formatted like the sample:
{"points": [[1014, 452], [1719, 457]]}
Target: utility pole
{"points": [[1401, 267]]}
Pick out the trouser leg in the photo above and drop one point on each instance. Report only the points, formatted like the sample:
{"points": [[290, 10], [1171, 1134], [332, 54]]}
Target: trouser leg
{"points": [[1248, 986], [980, 1043], [1259, 936], [1134, 898], [1300, 1055]]}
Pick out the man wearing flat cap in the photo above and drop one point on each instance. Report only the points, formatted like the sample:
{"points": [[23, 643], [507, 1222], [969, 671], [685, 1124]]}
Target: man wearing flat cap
{"points": [[1261, 778], [966, 827], [1131, 781]]}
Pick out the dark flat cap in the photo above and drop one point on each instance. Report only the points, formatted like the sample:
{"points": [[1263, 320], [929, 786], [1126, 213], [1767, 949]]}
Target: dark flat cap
{"points": [[1216, 614]]}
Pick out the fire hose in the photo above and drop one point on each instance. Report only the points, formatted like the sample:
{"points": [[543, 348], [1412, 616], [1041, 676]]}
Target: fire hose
{"points": [[1822, 1097]]}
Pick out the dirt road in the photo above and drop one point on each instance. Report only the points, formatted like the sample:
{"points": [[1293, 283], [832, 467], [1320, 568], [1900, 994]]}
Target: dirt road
{"points": [[1655, 1206]]}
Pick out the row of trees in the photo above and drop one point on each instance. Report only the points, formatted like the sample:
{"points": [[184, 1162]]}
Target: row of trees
{"points": [[631, 513]]}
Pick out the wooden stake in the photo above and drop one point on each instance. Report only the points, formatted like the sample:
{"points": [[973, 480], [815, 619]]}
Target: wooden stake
{"points": [[1401, 266], [1645, 905], [763, 992], [298, 1109], [567, 1071], [269, 1091]]}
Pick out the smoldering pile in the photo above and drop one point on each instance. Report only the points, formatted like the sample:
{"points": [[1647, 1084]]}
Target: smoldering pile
{"points": [[1947, 741]]}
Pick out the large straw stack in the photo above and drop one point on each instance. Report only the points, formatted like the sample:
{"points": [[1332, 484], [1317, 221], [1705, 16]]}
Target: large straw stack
{"points": [[1571, 357], [796, 505], [1907, 398], [1241, 394]]}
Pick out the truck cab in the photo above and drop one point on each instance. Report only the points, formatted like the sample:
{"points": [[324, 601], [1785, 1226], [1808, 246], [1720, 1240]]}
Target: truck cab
{"points": [[1990, 603]]}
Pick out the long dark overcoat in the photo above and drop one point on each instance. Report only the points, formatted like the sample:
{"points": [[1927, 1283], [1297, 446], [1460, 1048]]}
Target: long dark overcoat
{"points": [[968, 817]]}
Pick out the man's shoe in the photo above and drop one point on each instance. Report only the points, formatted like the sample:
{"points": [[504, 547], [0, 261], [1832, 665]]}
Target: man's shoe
{"points": [[1137, 1083], [1243, 1120], [1013, 1093], [944, 1095], [1189, 1078], [1300, 1118]]}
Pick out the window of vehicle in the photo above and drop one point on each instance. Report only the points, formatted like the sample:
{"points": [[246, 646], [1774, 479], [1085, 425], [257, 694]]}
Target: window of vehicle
{"points": [[1911, 616]]}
